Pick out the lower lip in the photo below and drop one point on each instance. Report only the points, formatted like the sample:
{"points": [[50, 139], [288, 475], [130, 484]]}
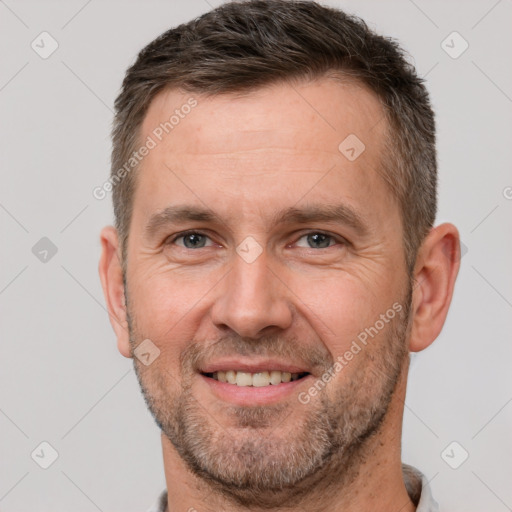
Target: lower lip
{"points": [[252, 395]]}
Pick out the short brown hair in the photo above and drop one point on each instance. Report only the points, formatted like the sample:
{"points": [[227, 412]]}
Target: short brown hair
{"points": [[241, 46]]}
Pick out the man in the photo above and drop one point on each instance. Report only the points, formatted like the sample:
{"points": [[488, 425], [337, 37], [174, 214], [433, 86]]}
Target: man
{"points": [[274, 259]]}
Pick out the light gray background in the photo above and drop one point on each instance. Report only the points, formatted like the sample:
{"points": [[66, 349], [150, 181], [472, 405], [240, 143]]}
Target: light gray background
{"points": [[62, 379]]}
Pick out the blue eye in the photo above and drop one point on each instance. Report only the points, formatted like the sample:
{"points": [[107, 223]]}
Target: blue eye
{"points": [[317, 240], [192, 240], [197, 240]]}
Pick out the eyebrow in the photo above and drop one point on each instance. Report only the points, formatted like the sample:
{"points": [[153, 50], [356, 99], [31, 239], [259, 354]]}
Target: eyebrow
{"points": [[339, 213]]}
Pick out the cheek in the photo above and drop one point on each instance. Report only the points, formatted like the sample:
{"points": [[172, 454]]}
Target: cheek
{"points": [[340, 308], [164, 308]]}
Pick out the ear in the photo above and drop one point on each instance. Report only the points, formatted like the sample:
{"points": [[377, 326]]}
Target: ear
{"points": [[111, 276], [435, 272]]}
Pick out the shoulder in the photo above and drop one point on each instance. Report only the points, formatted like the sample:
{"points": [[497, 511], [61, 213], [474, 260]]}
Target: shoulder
{"points": [[418, 488], [160, 505]]}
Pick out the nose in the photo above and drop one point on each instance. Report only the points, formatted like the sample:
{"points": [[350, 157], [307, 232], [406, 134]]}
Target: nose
{"points": [[252, 300]]}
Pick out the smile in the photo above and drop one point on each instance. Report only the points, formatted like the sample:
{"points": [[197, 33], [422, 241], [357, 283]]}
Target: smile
{"points": [[257, 379]]}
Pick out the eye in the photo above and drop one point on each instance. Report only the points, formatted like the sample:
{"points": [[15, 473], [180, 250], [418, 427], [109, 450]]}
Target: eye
{"points": [[317, 240], [198, 240], [191, 240]]}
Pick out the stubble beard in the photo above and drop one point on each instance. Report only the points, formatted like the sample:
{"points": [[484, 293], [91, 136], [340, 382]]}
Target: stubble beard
{"points": [[271, 456]]}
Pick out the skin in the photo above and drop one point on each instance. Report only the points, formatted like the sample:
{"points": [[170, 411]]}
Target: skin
{"points": [[245, 158]]}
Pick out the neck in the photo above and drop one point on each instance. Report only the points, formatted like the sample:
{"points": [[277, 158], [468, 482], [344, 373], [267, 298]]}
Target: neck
{"points": [[370, 479]]}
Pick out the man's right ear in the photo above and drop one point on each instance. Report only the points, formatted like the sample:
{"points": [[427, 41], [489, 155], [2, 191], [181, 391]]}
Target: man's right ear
{"points": [[111, 275]]}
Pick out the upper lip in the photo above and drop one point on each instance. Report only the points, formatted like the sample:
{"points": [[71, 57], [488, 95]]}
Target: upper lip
{"points": [[253, 365]]}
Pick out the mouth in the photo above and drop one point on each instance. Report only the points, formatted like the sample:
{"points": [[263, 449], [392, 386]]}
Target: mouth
{"points": [[257, 379]]}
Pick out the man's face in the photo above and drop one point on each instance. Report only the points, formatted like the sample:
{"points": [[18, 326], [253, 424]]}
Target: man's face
{"points": [[254, 290]]}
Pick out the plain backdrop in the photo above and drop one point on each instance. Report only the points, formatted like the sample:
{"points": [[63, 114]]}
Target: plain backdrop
{"points": [[62, 380]]}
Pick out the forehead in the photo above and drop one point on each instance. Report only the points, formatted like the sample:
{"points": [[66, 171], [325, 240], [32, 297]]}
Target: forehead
{"points": [[280, 142], [308, 115]]}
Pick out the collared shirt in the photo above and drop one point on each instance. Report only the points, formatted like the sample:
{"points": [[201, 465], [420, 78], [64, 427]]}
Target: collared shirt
{"points": [[416, 484]]}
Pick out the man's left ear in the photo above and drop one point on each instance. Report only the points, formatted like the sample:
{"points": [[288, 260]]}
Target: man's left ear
{"points": [[436, 269]]}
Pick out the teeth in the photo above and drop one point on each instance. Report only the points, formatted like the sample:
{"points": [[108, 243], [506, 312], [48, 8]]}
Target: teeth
{"points": [[276, 377], [258, 379], [243, 379]]}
